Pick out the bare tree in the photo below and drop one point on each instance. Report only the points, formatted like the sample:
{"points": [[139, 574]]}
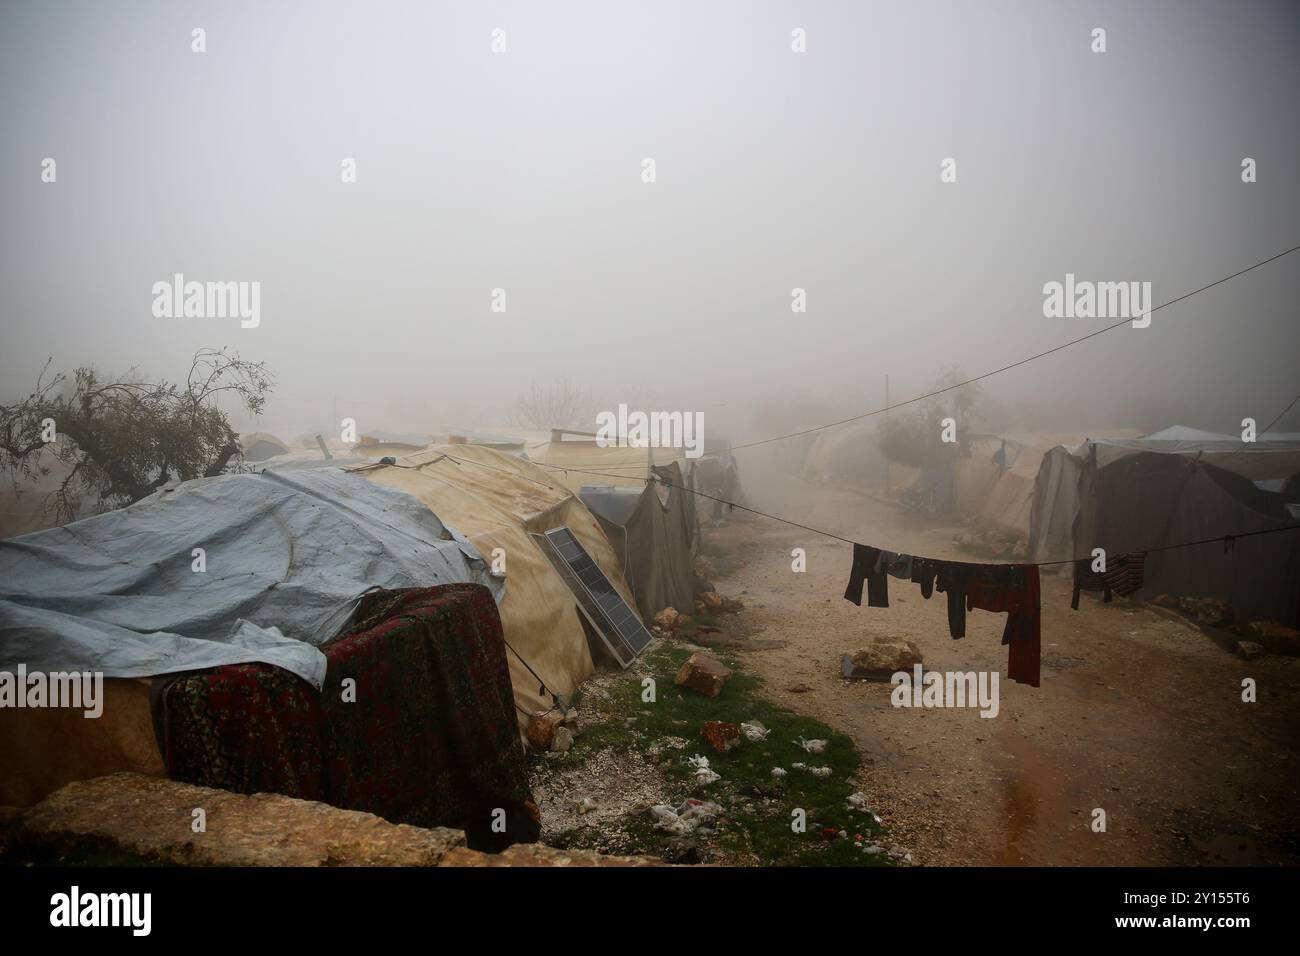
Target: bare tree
{"points": [[557, 405], [122, 439], [914, 437]]}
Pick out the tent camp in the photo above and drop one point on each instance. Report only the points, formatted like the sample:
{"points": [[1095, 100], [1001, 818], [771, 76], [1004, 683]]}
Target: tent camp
{"points": [[217, 571], [1174, 486], [653, 532]]}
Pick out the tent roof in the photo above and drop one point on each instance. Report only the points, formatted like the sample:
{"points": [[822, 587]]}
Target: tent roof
{"points": [[286, 557], [617, 466], [1272, 455]]}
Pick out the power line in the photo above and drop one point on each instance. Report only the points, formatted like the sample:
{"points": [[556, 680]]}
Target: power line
{"points": [[1007, 368], [1225, 539]]}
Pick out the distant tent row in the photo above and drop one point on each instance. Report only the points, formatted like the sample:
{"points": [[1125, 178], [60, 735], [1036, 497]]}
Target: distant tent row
{"points": [[1059, 496], [994, 485]]}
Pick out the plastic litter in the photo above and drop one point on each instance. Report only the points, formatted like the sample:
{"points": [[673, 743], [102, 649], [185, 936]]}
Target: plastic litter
{"points": [[690, 816], [704, 775]]}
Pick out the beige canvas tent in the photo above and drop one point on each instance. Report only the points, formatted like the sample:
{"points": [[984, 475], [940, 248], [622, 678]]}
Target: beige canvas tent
{"points": [[496, 500]]}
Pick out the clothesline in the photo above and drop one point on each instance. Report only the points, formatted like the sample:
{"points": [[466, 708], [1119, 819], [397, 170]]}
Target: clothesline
{"points": [[1005, 587], [1225, 539]]}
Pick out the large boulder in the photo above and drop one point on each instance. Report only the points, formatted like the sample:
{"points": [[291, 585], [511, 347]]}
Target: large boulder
{"points": [[153, 818], [881, 659], [702, 673]]}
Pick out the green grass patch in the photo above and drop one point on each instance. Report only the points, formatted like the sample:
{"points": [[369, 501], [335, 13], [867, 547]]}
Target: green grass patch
{"points": [[757, 807]]}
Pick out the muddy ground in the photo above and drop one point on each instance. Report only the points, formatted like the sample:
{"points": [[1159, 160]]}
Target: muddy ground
{"points": [[1139, 713]]}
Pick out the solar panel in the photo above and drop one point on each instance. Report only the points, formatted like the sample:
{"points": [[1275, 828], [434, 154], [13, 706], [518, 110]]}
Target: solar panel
{"points": [[617, 624]]}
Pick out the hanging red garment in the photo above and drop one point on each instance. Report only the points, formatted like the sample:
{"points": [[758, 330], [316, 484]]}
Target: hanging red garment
{"points": [[1012, 589]]}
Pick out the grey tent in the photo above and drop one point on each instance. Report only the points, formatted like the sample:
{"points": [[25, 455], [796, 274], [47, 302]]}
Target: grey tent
{"points": [[1147, 494], [652, 530]]}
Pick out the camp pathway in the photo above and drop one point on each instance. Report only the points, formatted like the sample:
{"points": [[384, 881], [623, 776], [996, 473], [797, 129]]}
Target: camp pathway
{"points": [[1138, 714]]}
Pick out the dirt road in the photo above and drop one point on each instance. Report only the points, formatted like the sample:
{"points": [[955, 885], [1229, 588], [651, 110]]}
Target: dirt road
{"points": [[1138, 714]]}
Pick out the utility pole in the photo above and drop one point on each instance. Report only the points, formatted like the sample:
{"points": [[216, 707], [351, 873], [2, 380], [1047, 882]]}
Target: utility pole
{"points": [[886, 432]]}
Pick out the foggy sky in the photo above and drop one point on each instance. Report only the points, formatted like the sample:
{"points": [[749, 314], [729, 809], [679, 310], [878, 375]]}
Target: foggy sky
{"points": [[776, 170]]}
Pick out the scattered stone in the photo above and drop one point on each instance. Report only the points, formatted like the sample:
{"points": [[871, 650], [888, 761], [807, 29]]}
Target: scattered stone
{"points": [[1276, 638], [710, 601], [1249, 650], [704, 674], [812, 746], [1210, 611], [574, 721], [798, 688], [586, 805], [562, 739], [753, 730], [667, 619], [778, 772], [721, 735], [881, 659], [541, 728]]}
